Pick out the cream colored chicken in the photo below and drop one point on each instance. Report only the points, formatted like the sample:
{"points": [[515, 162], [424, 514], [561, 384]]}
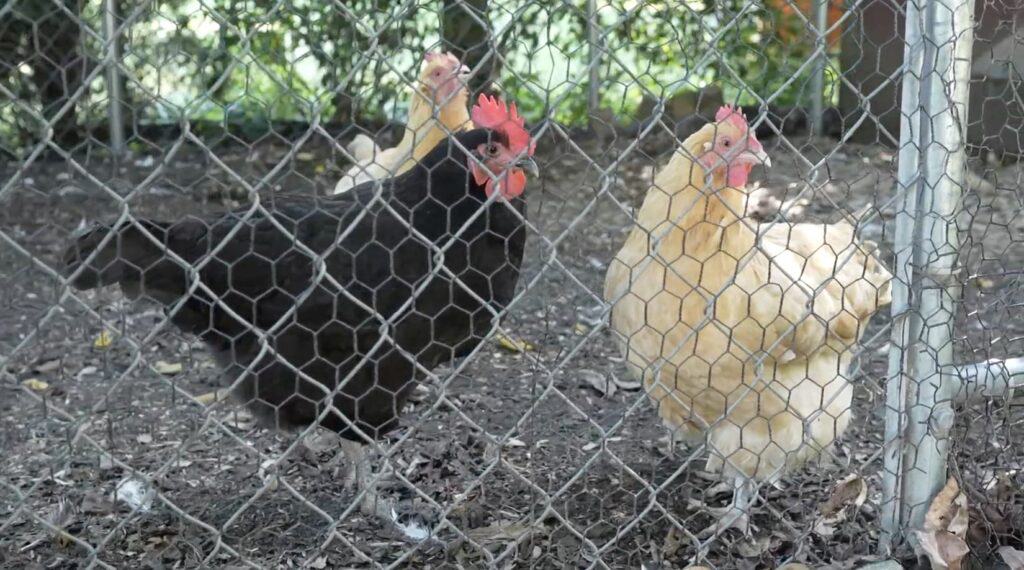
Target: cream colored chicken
{"points": [[437, 109], [742, 335]]}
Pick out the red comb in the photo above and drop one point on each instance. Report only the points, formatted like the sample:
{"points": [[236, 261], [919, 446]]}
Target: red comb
{"points": [[436, 55], [492, 113], [731, 114]]}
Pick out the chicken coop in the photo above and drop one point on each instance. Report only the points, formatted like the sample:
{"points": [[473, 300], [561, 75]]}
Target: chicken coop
{"points": [[511, 284]]}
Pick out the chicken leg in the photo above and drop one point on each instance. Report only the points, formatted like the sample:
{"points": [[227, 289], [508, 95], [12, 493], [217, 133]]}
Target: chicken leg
{"points": [[737, 514], [412, 526], [361, 477]]}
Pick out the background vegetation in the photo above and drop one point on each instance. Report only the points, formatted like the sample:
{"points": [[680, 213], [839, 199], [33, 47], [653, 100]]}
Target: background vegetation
{"points": [[252, 62]]}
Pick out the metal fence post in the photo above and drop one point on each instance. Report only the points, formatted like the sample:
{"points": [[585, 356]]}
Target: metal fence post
{"points": [[594, 55], [818, 79], [919, 414], [113, 77]]}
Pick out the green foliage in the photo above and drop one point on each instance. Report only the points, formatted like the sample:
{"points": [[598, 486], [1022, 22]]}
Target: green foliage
{"points": [[352, 60]]}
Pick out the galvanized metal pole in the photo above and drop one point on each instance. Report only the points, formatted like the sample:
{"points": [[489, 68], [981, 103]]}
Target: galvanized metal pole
{"points": [[933, 131], [818, 79], [995, 378], [113, 77], [594, 81], [903, 321]]}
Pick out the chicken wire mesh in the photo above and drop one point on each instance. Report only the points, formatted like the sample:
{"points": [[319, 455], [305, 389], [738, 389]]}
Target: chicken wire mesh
{"points": [[540, 447]]}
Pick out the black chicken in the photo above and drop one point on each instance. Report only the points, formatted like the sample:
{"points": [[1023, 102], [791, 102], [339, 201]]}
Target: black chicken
{"points": [[329, 309]]}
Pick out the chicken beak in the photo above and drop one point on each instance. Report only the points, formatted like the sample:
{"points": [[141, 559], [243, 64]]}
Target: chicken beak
{"points": [[754, 154], [464, 72], [529, 165], [760, 157]]}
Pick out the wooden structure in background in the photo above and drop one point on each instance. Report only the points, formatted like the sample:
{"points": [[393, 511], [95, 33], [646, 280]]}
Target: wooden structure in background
{"points": [[872, 52]]}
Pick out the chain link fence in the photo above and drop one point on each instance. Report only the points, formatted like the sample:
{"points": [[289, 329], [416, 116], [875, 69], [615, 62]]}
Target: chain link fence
{"points": [[542, 443]]}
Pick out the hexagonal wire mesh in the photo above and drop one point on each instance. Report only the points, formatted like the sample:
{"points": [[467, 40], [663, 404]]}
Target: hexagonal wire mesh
{"points": [[532, 441]]}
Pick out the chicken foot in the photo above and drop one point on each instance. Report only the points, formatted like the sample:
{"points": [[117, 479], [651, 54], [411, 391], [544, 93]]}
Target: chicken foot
{"points": [[360, 476], [737, 514], [374, 504]]}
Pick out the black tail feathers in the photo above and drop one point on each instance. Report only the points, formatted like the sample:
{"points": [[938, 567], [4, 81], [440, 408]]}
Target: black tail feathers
{"points": [[105, 255]]}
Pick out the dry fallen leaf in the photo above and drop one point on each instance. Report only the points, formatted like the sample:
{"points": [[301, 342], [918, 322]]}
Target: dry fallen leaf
{"points": [[35, 384], [103, 340], [419, 393], [753, 547], [945, 525], [1012, 557], [674, 541], [48, 366], [61, 516], [501, 532], [86, 371], [851, 491], [599, 382], [847, 496], [945, 550], [97, 503], [985, 283], [322, 441], [211, 397], [948, 510], [627, 385], [167, 368], [241, 419], [136, 493], [513, 344]]}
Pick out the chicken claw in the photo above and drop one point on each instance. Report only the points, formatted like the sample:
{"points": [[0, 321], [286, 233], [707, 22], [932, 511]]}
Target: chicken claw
{"points": [[736, 515], [408, 524]]}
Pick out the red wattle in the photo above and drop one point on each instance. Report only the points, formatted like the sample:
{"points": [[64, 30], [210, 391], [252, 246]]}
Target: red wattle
{"points": [[512, 184], [736, 176]]}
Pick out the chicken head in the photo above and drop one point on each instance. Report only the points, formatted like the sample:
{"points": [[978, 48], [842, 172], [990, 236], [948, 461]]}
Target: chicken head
{"points": [[443, 76], [728, 148], [506, 159]]}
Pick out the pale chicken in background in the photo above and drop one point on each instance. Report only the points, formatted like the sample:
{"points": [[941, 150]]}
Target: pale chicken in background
{"points": [[437, 109], [362, 148], [743, 335]]}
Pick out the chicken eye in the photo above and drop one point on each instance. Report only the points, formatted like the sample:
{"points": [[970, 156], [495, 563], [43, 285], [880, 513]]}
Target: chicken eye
{"points": [[492, 149], [726, 143]]}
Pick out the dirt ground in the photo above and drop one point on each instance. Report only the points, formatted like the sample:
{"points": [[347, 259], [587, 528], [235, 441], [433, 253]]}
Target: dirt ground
{"points": [[534, 460]]}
